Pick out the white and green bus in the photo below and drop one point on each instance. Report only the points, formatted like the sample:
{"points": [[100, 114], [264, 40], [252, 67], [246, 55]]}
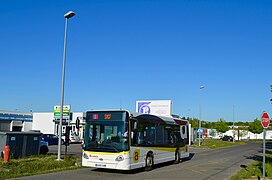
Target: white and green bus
{"points": [[119, 139]]}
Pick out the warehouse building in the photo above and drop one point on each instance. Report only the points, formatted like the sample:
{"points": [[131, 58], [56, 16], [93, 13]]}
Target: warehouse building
{"points": [[15, 121]]}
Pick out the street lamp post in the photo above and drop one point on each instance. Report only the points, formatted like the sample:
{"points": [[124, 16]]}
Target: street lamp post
{"points": [[233, 123], [67, 16], [199, 129]]}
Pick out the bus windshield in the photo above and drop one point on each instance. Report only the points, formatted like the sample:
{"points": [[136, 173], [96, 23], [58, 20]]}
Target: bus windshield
{"points": [[106, 132]]}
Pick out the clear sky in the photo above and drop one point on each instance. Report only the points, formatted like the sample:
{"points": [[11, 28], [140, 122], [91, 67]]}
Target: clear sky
{"points": [[121, 51]]}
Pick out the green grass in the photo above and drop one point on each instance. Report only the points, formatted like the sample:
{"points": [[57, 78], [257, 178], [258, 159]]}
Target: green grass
{"points": [[252, 171], [256, 169], [216, 143], [35, 165]]}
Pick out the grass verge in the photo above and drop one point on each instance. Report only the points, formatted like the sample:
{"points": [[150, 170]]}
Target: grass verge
{"points": [[216, 143], [255, 170], [252, 171], [35, 165]]}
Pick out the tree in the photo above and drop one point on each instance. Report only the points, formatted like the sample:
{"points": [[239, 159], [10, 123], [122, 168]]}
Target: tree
{"points": [[194, 122], [221, 126], [209, 125], [212, 132], [241, 131], [255, 127]]}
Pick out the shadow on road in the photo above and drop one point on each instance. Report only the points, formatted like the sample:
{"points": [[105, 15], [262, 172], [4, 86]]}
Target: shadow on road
{"points": [[134, 171], [141, 170], [190, 157]]}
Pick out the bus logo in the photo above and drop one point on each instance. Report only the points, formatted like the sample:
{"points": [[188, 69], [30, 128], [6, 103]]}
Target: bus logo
{"points": [[136, 156], [107, 116]]}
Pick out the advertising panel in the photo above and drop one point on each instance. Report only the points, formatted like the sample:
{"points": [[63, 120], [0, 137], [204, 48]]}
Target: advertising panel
{"points": [[155, 107]]}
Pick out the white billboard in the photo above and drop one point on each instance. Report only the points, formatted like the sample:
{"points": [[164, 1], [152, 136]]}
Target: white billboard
{"points": [[155, 107]]}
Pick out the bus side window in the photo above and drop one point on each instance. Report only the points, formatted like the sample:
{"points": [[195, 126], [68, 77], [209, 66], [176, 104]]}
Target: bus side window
{"points": [[134, 138], [140, 137], [159, 135], [168, 139], [171, 138]]}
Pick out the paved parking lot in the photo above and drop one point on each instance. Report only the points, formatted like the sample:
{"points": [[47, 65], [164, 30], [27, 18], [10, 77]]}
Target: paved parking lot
{"points": [[72, 149]]}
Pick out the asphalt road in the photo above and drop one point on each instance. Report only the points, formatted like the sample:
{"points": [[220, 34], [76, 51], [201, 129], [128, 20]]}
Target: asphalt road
{"points": [[204, 164], [72, 149]]}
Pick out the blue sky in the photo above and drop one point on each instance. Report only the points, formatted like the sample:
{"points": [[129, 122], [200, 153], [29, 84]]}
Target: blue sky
{"points": [[122, 51]]}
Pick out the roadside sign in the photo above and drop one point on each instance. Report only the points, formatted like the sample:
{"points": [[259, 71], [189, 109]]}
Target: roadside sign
{"points": [[265, 123], [265, 120], [200, 130], [65, 112]]}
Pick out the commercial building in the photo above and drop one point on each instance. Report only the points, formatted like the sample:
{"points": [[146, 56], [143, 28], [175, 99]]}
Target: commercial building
{"points": [[48, 124], [15, 121], [45, 122]]}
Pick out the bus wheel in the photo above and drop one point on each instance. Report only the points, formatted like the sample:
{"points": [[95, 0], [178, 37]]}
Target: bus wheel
{"points": [[149, 162], [177, 157]]}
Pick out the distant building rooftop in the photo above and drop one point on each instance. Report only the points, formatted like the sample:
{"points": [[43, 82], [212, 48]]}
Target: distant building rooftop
{"points": [[15, 116]]}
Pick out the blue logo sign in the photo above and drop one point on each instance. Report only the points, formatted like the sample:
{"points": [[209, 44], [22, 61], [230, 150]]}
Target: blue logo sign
{"points": [[143, 107]]}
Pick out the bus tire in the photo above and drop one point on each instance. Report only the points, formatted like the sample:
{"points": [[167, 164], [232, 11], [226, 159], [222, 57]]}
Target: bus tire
{"points": [[177, 157], [149, 162]]}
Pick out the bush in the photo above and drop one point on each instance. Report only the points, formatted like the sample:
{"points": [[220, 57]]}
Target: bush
{"points": [[213, 146]]}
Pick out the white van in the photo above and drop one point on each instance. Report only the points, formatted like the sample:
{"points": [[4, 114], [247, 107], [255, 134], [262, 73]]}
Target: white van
{"points": [[74, 137]]}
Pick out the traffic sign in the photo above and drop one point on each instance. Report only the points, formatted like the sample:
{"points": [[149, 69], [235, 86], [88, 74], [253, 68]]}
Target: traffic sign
{"points": [[65, 112], [265, 120], [200, 130]]}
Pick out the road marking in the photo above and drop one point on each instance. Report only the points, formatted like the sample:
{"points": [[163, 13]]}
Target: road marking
{"points": [[161, 179], [199, 172]]}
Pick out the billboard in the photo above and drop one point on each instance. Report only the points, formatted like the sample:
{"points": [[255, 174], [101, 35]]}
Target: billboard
{"points": [[65, 112], [155, 107]]}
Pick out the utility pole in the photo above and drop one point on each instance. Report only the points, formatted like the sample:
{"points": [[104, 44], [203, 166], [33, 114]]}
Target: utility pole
{"points": [[233, 123], [199, 129]]}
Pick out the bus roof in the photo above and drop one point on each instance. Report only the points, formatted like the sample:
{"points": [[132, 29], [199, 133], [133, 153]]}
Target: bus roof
{"points": [[167, 120]]}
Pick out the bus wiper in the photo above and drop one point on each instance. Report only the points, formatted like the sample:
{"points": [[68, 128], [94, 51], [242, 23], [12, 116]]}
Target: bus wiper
{"points": [[89, 148], [115, 148], [111, 145]]}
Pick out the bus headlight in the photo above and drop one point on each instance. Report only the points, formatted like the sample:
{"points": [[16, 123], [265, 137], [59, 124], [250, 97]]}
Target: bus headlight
{"points": [[120, 158], [85, 155]]}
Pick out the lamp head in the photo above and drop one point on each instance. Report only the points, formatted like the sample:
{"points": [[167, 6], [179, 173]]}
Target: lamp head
{"points": [[69, 14]]}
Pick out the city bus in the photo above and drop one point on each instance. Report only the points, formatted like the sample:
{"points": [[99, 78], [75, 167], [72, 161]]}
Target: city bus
{"points": [[119, 139]]}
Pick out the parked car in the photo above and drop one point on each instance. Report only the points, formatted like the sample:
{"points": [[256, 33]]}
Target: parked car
{"points": [[227, 138], [52, 139], [44, 147]]}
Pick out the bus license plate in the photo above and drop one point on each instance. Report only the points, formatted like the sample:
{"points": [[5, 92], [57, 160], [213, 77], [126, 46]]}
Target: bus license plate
{"points": [[100, 165]]}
